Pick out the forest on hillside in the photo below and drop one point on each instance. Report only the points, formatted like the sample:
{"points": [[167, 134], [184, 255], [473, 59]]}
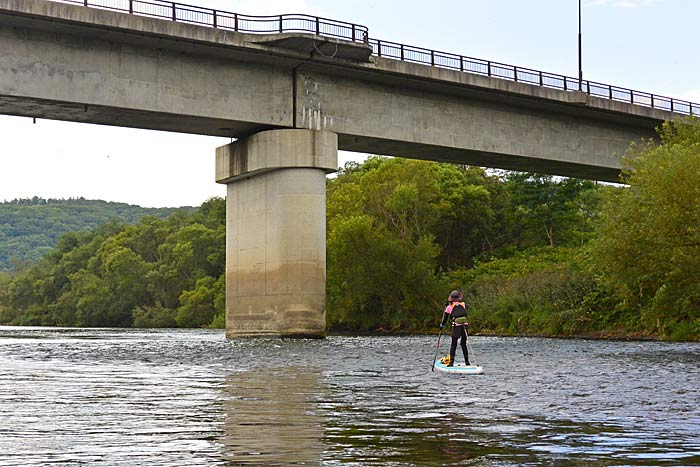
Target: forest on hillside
{"points": [[534, 254], [31, 227]]}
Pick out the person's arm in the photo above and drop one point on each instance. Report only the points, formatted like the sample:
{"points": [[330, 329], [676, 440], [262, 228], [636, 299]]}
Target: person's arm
{"points": [[444, 320], [445, 316]]}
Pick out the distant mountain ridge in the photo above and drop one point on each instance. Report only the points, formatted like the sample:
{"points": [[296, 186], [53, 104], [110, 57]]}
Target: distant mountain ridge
{"points": [[30, 227]]}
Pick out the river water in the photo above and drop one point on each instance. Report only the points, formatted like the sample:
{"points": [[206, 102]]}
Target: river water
{"points": [[107, 397]]}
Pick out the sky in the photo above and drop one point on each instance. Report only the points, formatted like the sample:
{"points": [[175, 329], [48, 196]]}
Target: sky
{"points": [[646, 45]]}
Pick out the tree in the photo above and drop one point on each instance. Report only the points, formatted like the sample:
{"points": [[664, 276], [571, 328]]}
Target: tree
{"points": [[123, 271], [153, 317], [550, 209], [392, 225], [191, 252], [648, 245], [93, 301], [30, 228], [200, 305]]}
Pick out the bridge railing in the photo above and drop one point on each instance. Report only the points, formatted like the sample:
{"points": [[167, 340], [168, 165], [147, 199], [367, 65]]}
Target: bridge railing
{"points": [[409, 53], [271, 24], [357, 33]]}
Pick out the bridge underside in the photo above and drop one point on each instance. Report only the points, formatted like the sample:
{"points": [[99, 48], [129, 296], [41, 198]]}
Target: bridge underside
{"points": [[182, 123], [478, 158], [128, 118]]}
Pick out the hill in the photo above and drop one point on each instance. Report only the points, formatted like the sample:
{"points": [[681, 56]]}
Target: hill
{"points": [[29, 228]]}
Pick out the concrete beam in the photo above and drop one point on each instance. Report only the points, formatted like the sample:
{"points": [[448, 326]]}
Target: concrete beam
{"points": [[455, 125], [276, 232]]}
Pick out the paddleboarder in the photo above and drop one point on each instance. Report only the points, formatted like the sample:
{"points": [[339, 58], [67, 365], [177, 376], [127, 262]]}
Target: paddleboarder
{"points": [[456, 311]]}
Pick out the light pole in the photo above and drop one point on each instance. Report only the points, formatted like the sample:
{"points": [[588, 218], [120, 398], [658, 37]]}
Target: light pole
{"points": [[580, 70]]}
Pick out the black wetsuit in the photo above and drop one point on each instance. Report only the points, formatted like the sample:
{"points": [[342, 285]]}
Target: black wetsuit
{"points": [[459, 331]]}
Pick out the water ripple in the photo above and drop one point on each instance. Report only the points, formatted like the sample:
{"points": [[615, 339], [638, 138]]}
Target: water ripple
{"points": [[106, 397]]}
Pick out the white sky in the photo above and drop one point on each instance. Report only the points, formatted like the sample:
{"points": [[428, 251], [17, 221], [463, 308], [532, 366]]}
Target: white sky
{"points": [[646, 45]]}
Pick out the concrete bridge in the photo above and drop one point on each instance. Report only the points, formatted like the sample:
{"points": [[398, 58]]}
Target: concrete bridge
{"points": [[292, 100]]}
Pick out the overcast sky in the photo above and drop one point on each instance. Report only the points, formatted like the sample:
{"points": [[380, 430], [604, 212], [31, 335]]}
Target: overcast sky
{"points": [[646, 45]]}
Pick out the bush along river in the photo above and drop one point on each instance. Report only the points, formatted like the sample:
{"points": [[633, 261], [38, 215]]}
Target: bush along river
{"points": [[108, 397]]}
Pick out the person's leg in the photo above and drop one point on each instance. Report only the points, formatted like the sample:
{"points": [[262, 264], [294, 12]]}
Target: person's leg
{"points": [[453, 346], [463, 343]]}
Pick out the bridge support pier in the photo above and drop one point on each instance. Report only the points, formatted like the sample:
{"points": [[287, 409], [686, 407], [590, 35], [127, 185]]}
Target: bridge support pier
{"points": [[276, 232]]}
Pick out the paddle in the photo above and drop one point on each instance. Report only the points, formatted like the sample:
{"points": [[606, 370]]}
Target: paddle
{"points": [[471, 351], [437, 347]]}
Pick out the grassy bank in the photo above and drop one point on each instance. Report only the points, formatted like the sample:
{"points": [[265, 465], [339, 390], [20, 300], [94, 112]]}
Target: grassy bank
{"points": [[552, 292]]}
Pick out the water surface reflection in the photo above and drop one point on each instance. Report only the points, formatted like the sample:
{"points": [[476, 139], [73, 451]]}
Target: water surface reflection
{"points": [[105, 397], [272, 417]]}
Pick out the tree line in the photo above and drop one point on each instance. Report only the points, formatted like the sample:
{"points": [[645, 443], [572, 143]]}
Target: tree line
{"points": [[402, 233], [534, 254], [31, 227], [156, 273]]}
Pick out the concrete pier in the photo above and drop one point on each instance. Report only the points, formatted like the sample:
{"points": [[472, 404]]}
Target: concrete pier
{"points": [[276, 232]]}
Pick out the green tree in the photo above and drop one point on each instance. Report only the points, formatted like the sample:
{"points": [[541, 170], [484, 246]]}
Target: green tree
{"points": [[648, 246], [188, 254], [200, 305], [124, 272], [153, 317], [93, 301], [31, 227], [212, 213], [392, 223], [551, 210], [123, 275]]}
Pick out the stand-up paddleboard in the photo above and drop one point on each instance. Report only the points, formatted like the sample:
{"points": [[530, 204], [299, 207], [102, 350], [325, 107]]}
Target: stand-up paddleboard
{"points": [[459, 368]]}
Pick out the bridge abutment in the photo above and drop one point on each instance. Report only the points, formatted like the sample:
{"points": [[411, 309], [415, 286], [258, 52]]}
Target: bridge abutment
{"points": [[276, 232]]}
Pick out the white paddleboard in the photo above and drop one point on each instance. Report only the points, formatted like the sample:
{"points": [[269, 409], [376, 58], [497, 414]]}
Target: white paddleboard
{"points": [[459, 368]]}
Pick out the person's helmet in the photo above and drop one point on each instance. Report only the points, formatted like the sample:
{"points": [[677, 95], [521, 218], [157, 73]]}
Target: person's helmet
{"points": [[455, 296]]}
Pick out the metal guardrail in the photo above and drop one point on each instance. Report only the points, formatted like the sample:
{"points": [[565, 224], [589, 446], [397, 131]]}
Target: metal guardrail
{"points": [[479, 66], [273, 24], [408, 53]]}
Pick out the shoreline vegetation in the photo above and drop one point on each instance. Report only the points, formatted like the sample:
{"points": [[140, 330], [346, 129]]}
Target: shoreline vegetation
{"points": [[535, 255], [581, 337], [30, 228]]}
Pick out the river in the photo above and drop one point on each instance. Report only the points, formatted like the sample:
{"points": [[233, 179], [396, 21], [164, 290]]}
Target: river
{"points": [[109, 397]]}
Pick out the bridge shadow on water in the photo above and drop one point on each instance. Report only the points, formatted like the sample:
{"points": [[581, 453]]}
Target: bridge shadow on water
{"points": [[272, 417]]}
